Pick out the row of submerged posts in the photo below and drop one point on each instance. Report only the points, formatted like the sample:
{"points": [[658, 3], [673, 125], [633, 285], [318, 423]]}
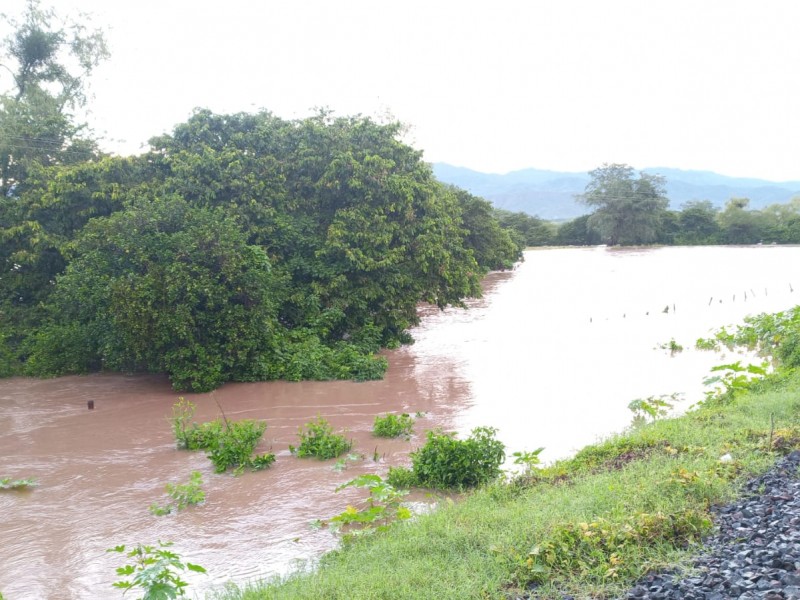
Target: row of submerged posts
{"points": [[670, 307]]}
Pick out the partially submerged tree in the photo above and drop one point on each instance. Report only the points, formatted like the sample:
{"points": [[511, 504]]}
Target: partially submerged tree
{"points": [[629, 209], [241, 247], [697, 224]]}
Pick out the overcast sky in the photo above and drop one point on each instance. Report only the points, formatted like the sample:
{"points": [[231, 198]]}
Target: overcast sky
{"points": [[493, 86]]}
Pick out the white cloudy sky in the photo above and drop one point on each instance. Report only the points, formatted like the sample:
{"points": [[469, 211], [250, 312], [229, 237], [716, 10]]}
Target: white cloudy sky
{"points": [[494, 86]]}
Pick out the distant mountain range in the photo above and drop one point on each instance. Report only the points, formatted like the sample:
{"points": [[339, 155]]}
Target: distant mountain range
{"points": [[551, 194]]}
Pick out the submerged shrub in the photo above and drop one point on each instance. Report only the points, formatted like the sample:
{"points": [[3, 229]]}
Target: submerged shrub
{"points": [[182, 495], [233, 447], [188, 434], [401, 478], [392, 426], [230, 444], [445, 462], [6, 483], [319, 440]]}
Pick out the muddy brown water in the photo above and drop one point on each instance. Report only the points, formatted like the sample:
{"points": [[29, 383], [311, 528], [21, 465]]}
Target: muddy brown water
{"points": [[550, 356]]}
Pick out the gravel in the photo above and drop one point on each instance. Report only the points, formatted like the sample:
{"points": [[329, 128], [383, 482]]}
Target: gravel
{"points": [[755, 551]]}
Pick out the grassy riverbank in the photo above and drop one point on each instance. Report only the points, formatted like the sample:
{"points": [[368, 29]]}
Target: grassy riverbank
{"points": [[589, 525]]}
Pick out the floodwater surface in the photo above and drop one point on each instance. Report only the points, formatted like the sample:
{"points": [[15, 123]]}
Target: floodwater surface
{"points": [[550, 356]]}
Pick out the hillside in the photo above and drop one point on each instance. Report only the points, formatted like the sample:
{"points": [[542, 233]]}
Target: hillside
{"points": [[551, 194]]}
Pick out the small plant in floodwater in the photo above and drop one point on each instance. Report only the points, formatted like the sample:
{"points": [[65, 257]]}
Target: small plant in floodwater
{"points": [[673, 347], [382, 508], [230, 444], [261, 461], [182, 495], [182, 413], [392, 426], [233, 447], [707, 344], [155, 570], [6, 483], [341, 464], [188, 434], [319, 440]]}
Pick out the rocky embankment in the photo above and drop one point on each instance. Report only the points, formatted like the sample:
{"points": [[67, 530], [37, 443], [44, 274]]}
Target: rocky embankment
{"points": [[755, 552]]}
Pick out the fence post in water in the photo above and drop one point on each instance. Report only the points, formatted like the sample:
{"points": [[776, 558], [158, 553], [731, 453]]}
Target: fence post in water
{"points": [[90, 404]]}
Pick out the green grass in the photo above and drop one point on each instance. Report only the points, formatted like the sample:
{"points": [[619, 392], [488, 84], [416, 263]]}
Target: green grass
{"points": [[633, 503]]}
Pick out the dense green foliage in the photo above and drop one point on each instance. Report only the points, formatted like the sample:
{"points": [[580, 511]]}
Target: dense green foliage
{"points": [[230, 444], [527, 230], [233, 447], [446, 462], [628, 209], [318, 439], [242, 247], [392, 426]]}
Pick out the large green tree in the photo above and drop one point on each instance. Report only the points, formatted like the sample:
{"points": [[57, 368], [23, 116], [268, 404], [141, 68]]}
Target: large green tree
{"points": [[357, 228], [494, 244], [241, 247], [697, 224], [739, 225], [782, 222], [527, 229], [628, 209], [163, 287], [45, 64]]}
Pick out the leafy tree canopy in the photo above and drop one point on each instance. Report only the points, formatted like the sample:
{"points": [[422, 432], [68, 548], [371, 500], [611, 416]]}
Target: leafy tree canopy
{"points": [[628, 209], [45, 64], [241, 247]]}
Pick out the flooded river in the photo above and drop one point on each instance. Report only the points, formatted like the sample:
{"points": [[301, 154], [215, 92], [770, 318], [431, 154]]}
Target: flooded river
{"points": [[551, 356]]}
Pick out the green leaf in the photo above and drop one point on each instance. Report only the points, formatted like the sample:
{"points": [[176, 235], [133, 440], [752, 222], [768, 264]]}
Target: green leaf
{"points": [[196, 568]]}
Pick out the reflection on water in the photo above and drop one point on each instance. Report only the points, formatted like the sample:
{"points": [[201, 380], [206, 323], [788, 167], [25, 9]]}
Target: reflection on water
{"points": [[551, 356]]}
